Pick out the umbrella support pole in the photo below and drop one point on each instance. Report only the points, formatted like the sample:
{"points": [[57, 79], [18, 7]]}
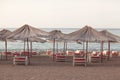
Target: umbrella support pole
{"points": [[101, 51], [86, 53], [6, 49], [53, 50], [108, 56], [28, 51]]}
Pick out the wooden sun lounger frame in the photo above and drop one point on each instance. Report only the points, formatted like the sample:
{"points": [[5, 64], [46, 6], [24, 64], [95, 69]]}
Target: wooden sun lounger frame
{"points": [[79, 59], [20, 59], [60, 58]]}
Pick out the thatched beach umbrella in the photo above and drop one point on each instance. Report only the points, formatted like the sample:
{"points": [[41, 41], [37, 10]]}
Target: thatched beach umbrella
{"points": [[26, 32], [3, 35], [56, 35], [87, 34], [111, 38]]}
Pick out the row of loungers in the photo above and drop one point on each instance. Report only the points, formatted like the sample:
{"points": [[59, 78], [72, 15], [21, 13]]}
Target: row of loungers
{"points": [[17, 53], [19, 57], [23, 57], [79, 58]]}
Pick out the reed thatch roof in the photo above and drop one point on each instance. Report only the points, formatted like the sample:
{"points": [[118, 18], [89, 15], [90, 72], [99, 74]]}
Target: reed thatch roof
{"points": [[87, 33], [111, 37], [27, 32], [4, 33]]}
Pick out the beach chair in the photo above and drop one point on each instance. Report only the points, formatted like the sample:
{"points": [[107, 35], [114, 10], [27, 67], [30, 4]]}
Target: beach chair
{"points": [[106, 55], [33, 53], [20, 59], [60, 57], [48, 52], [0, 55], [79, 59], [95, 56], [115, 53], [6, 54], [16, 53], [69, 53], [25, 53]]}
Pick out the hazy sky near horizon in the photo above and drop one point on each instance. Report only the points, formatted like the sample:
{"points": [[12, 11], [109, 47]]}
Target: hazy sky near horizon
{"points": [[60, 13]]}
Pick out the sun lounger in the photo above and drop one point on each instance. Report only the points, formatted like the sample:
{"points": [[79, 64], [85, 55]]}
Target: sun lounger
{"points": [[60, 57], [79, 58], [25, 53], [29, 54], [48, 52], [1, 55], [115, 53], [23, 57], [7, 54], [95, 56], [16, 54], [106, 54], [34, 53], [69, 53], [20, 59]]}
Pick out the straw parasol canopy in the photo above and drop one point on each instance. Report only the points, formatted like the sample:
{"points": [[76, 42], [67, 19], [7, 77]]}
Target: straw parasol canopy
{"points": [[27, 33], [87, 33], [111, 38], [56, 34], [3, 35]]}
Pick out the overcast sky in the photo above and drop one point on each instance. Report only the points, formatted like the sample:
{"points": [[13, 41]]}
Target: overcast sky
{"points": [[60, 13]]}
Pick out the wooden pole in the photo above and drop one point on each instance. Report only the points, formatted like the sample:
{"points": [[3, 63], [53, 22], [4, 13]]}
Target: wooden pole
{"points": [[31, 48], [101, 51], [6, 49], [108, 50], [53, 48], [83, 46], [24, 46], [57, 46], [28, 50], [86, 53], [64, 47]]}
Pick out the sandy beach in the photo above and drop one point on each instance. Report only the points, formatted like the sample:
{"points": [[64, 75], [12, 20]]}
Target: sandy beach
{"points": [[43, 68]]}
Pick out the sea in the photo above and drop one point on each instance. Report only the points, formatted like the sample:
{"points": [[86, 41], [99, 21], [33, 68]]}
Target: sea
{"points": [[19, 45]]}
